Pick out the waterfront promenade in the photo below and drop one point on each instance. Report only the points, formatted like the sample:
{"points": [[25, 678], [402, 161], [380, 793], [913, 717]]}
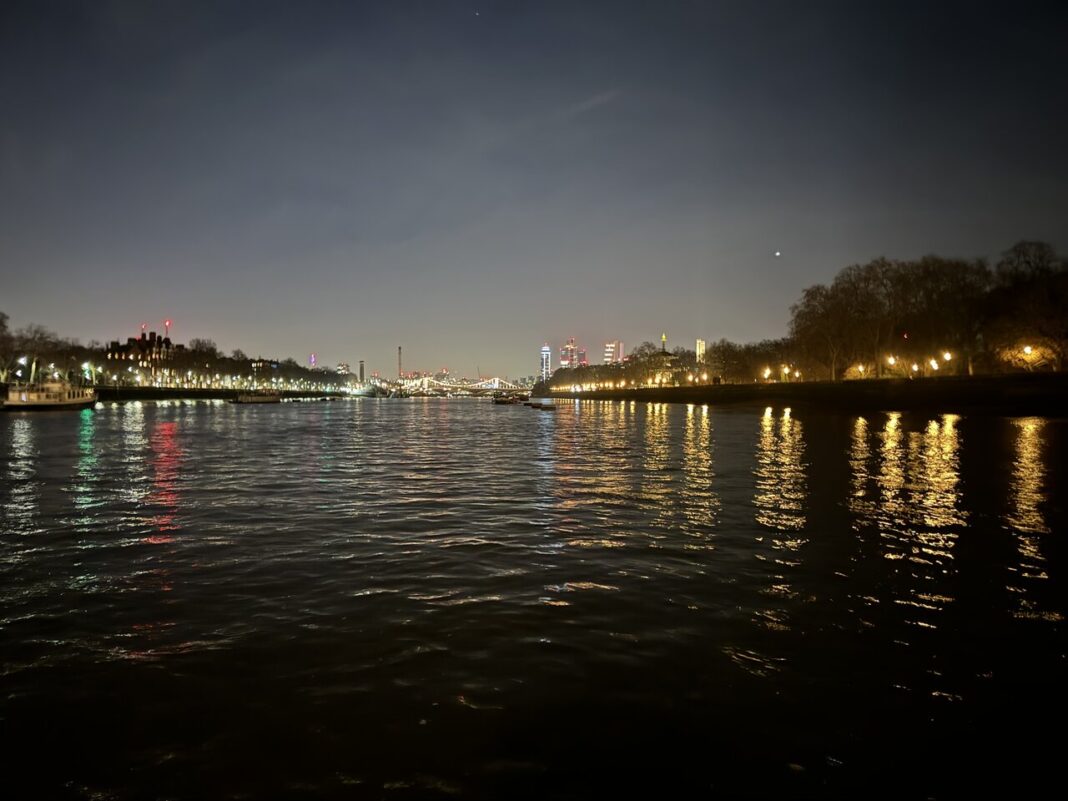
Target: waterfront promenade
{"points": [[113, 393], [1028, 393]]}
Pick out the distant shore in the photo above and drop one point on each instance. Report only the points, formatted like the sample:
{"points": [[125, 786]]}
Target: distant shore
{"points": [[109, 393], [1044, 394]]}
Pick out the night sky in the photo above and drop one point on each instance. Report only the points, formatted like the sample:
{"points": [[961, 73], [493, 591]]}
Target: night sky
{"points": [[469, 180]]}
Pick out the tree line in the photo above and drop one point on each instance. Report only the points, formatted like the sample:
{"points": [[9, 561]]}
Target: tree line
{"points": [[1012, 316], [887, 318]]}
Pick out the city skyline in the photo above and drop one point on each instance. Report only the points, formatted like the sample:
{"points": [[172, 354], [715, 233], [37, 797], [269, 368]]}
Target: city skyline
{"points": [[344, 179]]}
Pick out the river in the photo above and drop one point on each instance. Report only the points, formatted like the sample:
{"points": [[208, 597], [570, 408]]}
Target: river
{"points": [[447, 598]]}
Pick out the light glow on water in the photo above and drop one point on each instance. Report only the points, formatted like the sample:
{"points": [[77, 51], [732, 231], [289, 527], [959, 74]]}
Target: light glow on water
{"points": [[400, 582]]}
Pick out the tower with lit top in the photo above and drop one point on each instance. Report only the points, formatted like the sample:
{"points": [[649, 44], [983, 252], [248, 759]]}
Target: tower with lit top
{"points": [[546, 362]]}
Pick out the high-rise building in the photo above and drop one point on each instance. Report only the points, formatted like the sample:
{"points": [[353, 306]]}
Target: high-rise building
{"points": [[582, 360], [613, 352], [699, 349], [546, 362], [361, 371], [569, 354]]}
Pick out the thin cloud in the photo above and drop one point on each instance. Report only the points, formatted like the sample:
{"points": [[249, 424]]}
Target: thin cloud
{"points": [[591, 103]]}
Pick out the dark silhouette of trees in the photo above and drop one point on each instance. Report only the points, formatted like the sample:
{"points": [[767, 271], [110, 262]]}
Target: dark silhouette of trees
{"points": [[7, 348], [644, 350], [819, 328], [1026, 321], [204, 348], [908, 311]]}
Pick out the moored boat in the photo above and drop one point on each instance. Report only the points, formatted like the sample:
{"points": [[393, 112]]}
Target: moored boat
{"points": [[260, 396], [48, 395]]}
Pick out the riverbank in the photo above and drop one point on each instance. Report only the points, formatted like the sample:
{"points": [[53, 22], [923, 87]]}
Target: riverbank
{"points": [[1044, 394], [110, 393]]}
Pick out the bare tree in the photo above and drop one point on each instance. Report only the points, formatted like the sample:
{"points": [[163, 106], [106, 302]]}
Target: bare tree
{"points": [[819, 326]]}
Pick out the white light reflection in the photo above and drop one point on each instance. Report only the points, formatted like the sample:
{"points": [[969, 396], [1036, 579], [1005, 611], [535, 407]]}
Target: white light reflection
{"points": [[700, 504]]}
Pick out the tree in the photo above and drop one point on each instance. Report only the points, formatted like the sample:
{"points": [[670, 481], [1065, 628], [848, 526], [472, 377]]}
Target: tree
{"points": [[1027, 309], [7, 348], [684, 358], [204, 348], [644, 351], [729, 361], [238, 355], [36, 343], [1026, 261], [948, 308], [819, 327]]}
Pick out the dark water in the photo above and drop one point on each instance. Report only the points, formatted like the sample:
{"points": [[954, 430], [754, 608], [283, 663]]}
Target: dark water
{"points": [[413, 599]]}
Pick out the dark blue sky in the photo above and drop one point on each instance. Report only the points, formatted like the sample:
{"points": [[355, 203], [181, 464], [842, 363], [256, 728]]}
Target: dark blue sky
{"points": [[472, 179]]}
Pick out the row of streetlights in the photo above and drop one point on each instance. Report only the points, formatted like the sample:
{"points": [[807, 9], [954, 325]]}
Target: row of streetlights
{"points": [[788, 373], [96, 374], [651, 381], [896, 363]]}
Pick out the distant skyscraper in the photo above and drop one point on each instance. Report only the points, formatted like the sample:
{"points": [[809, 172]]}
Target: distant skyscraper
{"points": [[582, 360], [569, 354], [361, 371], [699, 349], [613, 352], [546, 362]]}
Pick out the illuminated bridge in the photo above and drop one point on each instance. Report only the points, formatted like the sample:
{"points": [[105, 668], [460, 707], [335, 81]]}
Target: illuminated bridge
{"points": [[432, 386]]}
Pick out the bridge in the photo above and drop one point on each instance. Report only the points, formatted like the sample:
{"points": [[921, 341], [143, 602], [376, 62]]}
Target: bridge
{"points": [[432, 386]]}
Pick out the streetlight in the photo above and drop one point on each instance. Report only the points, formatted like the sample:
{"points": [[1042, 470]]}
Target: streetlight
{"points": [[915, 367], [1028, 349], [947, 355], [934, 364], [891, 361]]}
